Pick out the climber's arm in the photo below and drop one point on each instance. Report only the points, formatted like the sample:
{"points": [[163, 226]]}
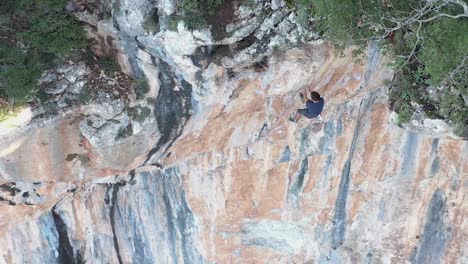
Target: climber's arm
{"points": [[305, 92]]}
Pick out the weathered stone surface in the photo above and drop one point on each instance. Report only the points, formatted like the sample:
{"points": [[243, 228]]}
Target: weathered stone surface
{"points": [[244, 185], [222, 176]]}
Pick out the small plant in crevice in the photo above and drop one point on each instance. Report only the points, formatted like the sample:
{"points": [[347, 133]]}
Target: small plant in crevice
{"points": [[108, 65], [151, 23], [86, 95], [404, 115], [138, 113], [199, 5], [51, 108], [42, 96], [192, 20], [124, 132], [141, 88], [303, 10], [172, 21], [150, 100]]}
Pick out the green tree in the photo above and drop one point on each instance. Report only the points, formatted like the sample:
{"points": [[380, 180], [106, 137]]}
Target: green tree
{"points": [[19, 71], [33, 32], [55, 32], [444, 48]]}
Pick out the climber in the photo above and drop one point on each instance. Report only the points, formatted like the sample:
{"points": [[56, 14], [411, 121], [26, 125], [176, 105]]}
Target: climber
{"points": [[314, 107]]}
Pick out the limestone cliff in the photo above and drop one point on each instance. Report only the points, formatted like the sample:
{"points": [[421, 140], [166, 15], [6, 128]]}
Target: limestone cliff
{"points": [[218, 174]]}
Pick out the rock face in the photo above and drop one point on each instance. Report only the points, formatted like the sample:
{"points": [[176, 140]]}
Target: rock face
{"points": [[222, 176]]}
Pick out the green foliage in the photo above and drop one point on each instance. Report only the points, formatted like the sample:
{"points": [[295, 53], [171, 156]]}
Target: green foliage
{"points": [[141, 88], [26, 7], [193, 12], [189, 5], [400, 98], [55, 32], [445, 41], [124, 132], [108, 65], [19, 81], [172, 21], [151, 24], [303, 10], [49, 4], [19, 71], [404, 115], [86, 95], [7, 112], [445, 46], [42, 96], [199, 5], [340, 19], [354, 21], [139, 114], [358, 54], [194, 20], [453, 105], [34, 33], [11, 55], [454, 109], [407, 87], [289, 3]]}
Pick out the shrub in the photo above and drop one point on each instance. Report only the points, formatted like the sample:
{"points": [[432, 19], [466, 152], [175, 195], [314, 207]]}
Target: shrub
{"points": [[35, 33], [25, 7], [193, 12], [7, 112], [151, 23], [141, 88], [124, 132], [445, 47], [404, 114], [55, 32], [19, 82], [139, 114], [199, 5], [86, 95], [108, 65], [303, 10], [454, 109], [453, 105], [351, 21], [192, 20], [19, 73], [340, 19]]}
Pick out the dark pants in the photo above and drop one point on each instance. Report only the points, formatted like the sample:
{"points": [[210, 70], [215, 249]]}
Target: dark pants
{"points": [[305, 113]]}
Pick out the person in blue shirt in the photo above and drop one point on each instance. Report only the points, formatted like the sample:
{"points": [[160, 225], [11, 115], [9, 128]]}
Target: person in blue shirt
{"points": [[314, 107]]}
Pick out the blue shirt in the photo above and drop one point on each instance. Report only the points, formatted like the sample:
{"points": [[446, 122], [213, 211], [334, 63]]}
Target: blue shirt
{"points": [[314, 108]]}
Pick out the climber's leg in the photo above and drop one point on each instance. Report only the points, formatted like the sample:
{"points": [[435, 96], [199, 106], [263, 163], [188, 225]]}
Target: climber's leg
{"points": [[295, 116]]}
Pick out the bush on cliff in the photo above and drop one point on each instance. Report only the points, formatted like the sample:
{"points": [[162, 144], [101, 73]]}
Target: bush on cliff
{"points": [[19, 71], [444, 48], [35, 35], [54, 32]]}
